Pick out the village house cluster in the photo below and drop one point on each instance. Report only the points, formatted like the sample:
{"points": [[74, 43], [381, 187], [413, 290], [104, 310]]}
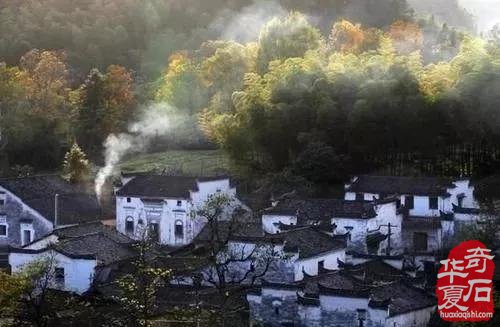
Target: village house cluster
{"points": [[367, 259]]}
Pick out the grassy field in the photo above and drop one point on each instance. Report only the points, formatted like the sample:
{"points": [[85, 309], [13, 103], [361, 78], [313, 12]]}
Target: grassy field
{"points": [[184, 162]]}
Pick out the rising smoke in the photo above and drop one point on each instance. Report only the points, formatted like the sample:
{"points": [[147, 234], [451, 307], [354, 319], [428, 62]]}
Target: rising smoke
{"points": [[156, 121]]}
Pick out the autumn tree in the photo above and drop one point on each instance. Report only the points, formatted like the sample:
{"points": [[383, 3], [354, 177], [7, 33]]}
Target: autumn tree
{"points": [[47, 83], [76, 165], [107, 105], [40, 98], [347, 37]]}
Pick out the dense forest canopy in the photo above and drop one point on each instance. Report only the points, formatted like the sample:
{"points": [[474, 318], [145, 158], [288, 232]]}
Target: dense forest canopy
{"points": [[320, 88]]}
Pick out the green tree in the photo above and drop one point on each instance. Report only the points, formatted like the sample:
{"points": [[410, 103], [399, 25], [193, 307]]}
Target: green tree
{"points": [[139, 289], [284, 38]]}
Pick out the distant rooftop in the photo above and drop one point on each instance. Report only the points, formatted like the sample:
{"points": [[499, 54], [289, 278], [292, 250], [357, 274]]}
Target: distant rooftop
{"points": [[319, 209], [163, 186], [387, 185], [38, 192], [309, 242]]}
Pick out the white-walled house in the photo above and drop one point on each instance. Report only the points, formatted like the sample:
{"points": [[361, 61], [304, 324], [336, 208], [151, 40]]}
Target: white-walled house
{"points": [[349, 297], [365, 224], [421, 196], [166, 205], [432, 207], [32, 207], [78, 255]]}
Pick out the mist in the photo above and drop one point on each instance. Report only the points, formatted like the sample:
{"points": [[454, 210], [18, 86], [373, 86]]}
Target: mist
{"points": [[486, 12], [244, 25]]}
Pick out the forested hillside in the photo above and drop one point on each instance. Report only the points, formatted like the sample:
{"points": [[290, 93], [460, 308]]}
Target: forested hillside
{"points": [[324, 89]]}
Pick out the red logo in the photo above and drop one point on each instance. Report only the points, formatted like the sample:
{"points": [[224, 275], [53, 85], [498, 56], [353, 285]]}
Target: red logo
{"points": [[464, 286]]}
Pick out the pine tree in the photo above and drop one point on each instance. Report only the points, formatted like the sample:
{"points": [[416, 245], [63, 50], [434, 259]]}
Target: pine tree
{"points": [[76, 165]]}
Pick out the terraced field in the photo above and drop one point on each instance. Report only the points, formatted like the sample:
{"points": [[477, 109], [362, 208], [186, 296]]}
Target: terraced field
{"points": [[184, 162]]}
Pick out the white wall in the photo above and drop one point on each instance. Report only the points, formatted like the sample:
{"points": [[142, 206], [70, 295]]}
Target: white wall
{"points": [[463, 187], [418, 318], [387, 213], [268, 221], [421, 206], [78, 273], [310, 265], [366, 196]]}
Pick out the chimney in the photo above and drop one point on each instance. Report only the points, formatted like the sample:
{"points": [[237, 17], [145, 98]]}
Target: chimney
{"points": [[56, 209]]}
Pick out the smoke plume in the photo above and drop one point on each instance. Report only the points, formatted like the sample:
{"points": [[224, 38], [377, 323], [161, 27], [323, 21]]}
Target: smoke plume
{"points": [[155, 121]]}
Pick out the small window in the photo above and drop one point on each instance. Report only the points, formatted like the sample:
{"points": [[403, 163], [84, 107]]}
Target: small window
{"points": [[398, 203], [179, 229], [129, 225], [409, 202], [26, 236], [420, 241], [128, 200], [179, 203], [218, 190], [433, 202], [360, 197], [2, 198], [59, 275], [2, 202], [3, 230]]}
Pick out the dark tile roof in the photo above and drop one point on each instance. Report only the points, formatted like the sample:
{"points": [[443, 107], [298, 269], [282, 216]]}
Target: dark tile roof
{"points": [[396, 295], [309, 242], [91, 228], [387, 185], [233, 230], [38, 192], [374, 271], [339, 281], [104, 249], [401, 297], [320, 209], [162, 186]]}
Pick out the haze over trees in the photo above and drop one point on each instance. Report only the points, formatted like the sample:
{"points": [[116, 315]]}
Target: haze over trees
{"points": [[360, 85]]}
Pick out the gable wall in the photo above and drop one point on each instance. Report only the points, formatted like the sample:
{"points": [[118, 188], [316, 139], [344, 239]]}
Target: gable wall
{"points": [[15, 210]]}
